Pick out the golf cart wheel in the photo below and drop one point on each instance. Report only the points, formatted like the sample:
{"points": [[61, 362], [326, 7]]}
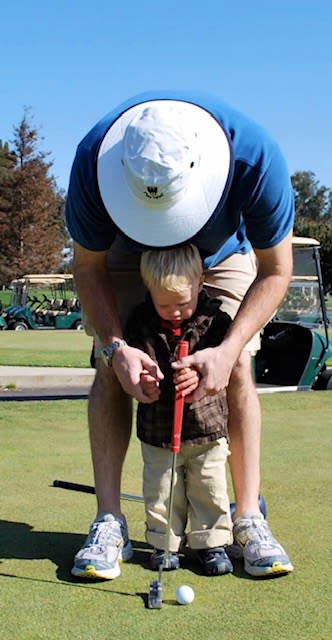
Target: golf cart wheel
{"points": [[78, 325], [19, 326], [324, 382]]}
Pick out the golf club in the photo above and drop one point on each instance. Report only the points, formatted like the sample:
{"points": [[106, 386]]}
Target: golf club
{"points": [[155, 596], [85, 488]]}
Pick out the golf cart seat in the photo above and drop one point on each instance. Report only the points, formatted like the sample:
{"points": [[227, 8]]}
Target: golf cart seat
{"points": [[285, 351], [58, 304], [73, 304], [57, 308]]}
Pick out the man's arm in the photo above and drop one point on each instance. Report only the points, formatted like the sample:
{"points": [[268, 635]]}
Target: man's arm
{"points": [[95, 292], [274, 270], [215, 365]]}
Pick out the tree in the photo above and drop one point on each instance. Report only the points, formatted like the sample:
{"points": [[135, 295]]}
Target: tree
{"points": [[313, 207], [7, 165], [312, 201], [31, 216]]}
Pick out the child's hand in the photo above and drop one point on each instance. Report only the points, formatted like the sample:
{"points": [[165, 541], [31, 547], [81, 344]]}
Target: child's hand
{"points": [[186, 380], [149, 386]]}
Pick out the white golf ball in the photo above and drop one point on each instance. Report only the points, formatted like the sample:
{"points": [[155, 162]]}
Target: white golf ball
{"points": [[184, 594]]}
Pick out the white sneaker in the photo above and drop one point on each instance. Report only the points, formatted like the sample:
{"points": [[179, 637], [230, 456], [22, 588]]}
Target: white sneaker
{"points": [[106, 545], [254, 542]]}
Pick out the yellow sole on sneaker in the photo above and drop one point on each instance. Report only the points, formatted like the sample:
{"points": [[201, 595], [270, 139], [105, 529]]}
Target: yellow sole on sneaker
{"points": [[277, 568], [91, 573]]}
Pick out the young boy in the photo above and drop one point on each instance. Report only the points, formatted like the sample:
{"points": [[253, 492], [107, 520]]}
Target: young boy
{"points": [[177, 307]]}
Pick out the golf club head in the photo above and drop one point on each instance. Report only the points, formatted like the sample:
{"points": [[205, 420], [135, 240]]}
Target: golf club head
{"points": [[155, 597]]}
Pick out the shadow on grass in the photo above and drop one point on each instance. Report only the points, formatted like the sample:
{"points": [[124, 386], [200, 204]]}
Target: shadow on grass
{"points": [[191, 562], [86, 585], [76, 584], [20, 541]]}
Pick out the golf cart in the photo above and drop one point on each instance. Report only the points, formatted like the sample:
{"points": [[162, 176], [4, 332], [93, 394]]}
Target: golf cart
{"points": [[3, 323], [43, 301], [295, 344]]}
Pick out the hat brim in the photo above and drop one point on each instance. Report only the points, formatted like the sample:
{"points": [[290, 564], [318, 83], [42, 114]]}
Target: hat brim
{"points": [[178, 223]]}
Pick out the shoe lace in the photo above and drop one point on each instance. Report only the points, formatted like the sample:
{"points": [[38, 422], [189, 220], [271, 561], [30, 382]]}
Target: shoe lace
{"points": [[260, 532], [101, 534]]}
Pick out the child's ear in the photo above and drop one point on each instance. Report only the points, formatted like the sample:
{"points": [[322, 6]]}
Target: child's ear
{"points": [[201, 282]]}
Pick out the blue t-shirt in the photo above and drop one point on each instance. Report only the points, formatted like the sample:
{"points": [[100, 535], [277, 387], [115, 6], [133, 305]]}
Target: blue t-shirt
{"points": [[258, 211]]}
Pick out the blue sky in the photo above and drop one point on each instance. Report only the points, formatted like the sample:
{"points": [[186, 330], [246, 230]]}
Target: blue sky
{"points": [[73, 61]]}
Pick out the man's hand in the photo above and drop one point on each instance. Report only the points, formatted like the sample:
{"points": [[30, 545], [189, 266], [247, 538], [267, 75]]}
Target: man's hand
{"points": [[129, 364], [213, 366], [150, 386]]}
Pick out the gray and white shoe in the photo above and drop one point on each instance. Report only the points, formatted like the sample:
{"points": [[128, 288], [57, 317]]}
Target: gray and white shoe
{"points": [[106, 545], [254, 542]]}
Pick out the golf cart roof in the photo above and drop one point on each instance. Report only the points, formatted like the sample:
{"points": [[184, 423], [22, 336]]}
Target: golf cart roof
{"points": [[48, 276], [43, 279], [297, 241]]}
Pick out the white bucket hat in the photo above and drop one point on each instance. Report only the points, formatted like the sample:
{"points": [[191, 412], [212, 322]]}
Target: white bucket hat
{"points": [[163, 167]]}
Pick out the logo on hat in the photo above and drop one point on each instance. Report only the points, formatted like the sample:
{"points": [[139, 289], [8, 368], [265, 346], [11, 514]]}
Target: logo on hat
{"points": [[152, 192]]}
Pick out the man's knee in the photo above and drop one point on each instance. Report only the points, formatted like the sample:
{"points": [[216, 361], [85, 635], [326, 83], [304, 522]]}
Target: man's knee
{"points": [[108, 404], [242, 397], [242, 372], [105, 382]]}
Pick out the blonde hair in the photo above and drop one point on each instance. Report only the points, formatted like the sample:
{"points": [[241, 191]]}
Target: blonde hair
{"points": [[171, 269]]}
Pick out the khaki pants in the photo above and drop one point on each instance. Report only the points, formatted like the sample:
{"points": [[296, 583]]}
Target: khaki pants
{"points": [[228, 281], [201, 502]]}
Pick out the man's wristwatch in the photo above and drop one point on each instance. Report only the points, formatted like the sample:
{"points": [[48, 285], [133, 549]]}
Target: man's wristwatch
{"points": [[107, 353]]}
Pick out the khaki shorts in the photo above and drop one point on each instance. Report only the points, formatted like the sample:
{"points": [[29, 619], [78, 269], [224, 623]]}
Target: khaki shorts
{"points": [[200, 496], [228, 281]]}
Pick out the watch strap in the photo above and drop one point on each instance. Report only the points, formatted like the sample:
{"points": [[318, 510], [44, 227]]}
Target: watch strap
{"points": [[108, 351]]}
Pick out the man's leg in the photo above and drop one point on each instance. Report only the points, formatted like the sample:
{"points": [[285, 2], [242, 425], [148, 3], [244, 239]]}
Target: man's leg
{"points": [[229, 282], [109, 413], [110, 419], [244, 426], [253, 540], [262, 554]]}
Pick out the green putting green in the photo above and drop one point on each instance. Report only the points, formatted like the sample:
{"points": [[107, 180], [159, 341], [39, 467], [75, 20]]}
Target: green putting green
{"points": [[42, 527]]}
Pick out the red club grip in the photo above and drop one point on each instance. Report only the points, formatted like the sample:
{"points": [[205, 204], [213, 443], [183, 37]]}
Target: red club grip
{"points": [[182, 351]]}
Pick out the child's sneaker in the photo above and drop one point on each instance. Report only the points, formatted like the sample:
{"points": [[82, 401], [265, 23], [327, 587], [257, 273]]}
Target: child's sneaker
{"points": [[157, 558], [253, 541], [106, 545], [215, 561]]}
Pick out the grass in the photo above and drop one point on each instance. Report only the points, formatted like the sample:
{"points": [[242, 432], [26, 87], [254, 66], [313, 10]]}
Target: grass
{"points": [[42, 527], [52, 348], [48, 348], [5, 297]]}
